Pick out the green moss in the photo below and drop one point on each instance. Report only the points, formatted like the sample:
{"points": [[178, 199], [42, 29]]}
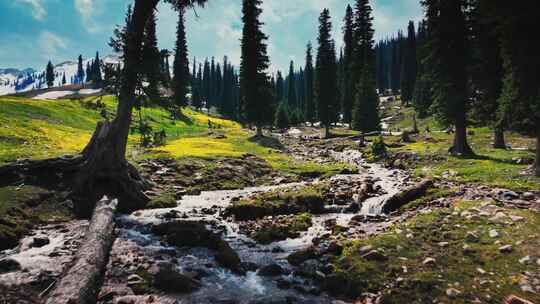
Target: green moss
{"points": [[278, 231], [280, 202], [166, 199], [22, 208], [410, 243], [431, 195]]}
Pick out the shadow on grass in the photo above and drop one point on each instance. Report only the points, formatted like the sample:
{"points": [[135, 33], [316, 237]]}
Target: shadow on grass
{"points": [[267, 142]]}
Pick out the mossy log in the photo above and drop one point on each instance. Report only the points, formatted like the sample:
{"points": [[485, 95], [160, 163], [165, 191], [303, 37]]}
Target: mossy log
{"points": [[406, 196], [82, 281]]}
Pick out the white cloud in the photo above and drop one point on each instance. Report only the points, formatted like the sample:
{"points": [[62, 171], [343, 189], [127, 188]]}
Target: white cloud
{"points": [[88, 9], [38, 11], [51, 44]]}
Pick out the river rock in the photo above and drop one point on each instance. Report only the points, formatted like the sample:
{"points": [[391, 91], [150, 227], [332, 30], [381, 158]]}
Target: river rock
{"points": [[506, 249], [528, 196], [271, 270], [429, 262], [169, 279], [375, 255], [493, 233], [471, 237], [508, 195], [452, 293], [301, 256], [9, 265], [516, 300], [39, 242]]}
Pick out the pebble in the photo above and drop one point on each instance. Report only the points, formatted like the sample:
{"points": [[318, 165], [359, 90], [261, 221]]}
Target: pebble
{"points": [[471, 237], [516, 218], [493, 233], [452, 293], [443, 244], [525, 260], [429, 262], [506, 249]]}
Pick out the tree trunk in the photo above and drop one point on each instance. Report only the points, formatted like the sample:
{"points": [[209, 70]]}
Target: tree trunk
{"points": [[259, 131], [537, 161], [461, 147], [406, 196], [106, 170], [326, 132], [498, 138], [83, 281]]}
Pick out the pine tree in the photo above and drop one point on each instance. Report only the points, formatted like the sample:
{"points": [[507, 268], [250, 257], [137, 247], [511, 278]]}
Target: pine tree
{"points": [[181, 78], [96, 72], [279, 87], [64, 79], [326, 86], [520, 98], [282, 116], [348, 85], [423, 93], [487, 70], [309, 109], [257, 97], [291, 90], [301, 91], [151, 59], [206, 84], [80, 70], [448, 47], [49, 74], [365, 116], [197, 90], [409, 66]]}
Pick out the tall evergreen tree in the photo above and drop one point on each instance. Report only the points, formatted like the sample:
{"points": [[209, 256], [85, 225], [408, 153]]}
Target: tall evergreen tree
{"points": [[487, 70], [423, 92], [326, 86], [291, 89], [365, 116], [309, 109], [409, 66], [448, 47], [520, 98], [80, 70], [279, 87], [257, 97], [301, 92], [197, 89], [206, 84], [348, 56], [151, 62], [96, 72], [64, 79], [181, 78], [49, 74]]}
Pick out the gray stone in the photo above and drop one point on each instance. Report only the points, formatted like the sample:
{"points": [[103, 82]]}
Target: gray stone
{"points": [[506, 249], [453, 293], [9, 265]]}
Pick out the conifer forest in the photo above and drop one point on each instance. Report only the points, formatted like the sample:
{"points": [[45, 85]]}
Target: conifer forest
{"points": [[269, 152]]}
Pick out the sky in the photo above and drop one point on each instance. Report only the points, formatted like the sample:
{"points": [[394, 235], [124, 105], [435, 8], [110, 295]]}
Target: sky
{"points": [[35, 31]]}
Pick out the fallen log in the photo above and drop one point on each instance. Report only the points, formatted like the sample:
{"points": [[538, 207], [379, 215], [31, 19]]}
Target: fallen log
{"points": [[83, 280], [406, 196]]}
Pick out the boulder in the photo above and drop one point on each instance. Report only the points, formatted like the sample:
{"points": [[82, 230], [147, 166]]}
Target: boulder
{"points": [[39, 242], [271, 270], [301, 256], [168, 278], [9, 265]]}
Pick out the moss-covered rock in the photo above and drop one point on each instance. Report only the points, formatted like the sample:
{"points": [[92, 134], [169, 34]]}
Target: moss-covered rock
{"points": [[195, 234], [279, 202], [278, 229]]}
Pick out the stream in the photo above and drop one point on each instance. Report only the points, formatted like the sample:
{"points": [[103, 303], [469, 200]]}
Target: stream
{"points": [[137, 248]]}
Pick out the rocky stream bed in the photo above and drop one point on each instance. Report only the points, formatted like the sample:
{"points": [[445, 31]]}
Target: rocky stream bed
{"points": [[195, 253]]}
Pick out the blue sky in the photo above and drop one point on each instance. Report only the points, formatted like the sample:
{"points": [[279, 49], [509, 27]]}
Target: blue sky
{"points": [[34, 31]]}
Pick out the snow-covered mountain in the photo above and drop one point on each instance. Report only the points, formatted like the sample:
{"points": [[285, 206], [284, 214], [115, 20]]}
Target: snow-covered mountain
{"points": [[15, 81]]}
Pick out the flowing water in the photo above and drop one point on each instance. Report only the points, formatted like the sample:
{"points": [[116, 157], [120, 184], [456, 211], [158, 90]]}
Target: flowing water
{"points": [[136, 245]]}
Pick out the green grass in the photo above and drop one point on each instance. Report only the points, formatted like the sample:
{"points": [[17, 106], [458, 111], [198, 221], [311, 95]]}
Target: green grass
{"points": [[40, 129], [454, 267], [21, 208], [493, 167]]}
